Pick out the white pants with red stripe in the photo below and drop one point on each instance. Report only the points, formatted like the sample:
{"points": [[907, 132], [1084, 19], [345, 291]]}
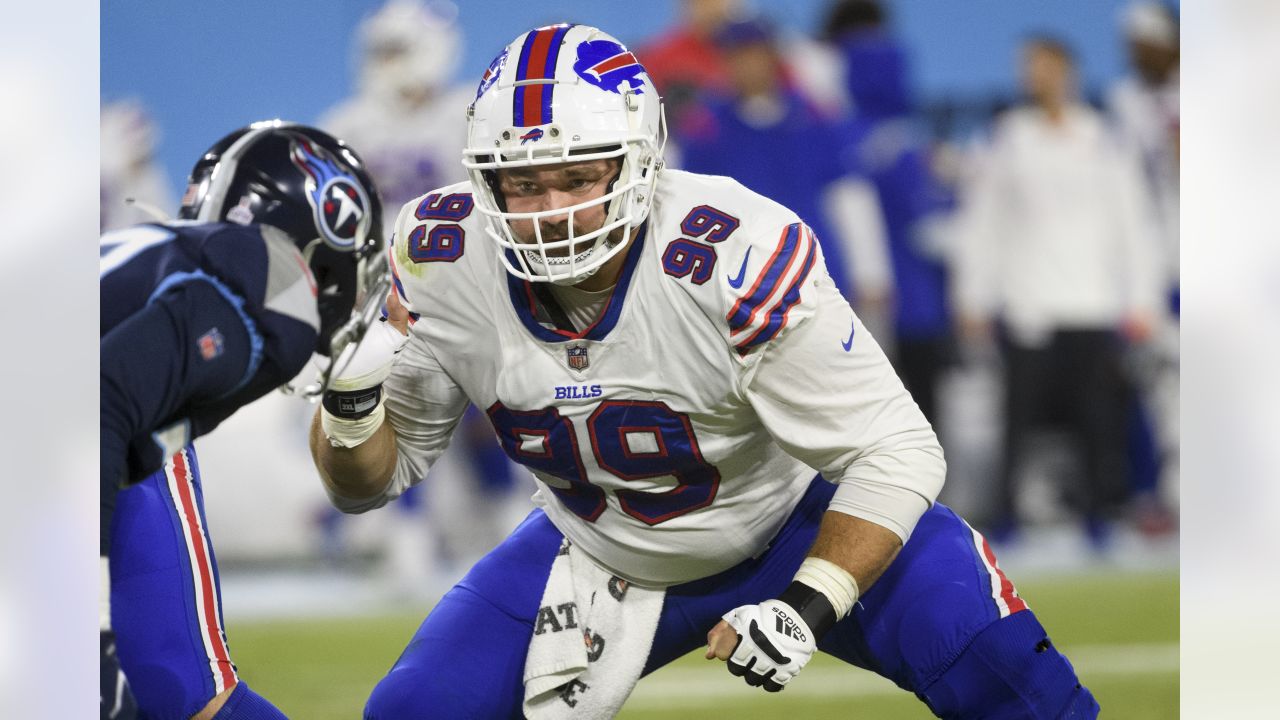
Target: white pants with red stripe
{"points": [[166, 607]]}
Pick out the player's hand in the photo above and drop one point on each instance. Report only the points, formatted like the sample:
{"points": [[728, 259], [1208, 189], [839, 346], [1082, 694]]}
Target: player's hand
{"points": [[1138, 328], [397, 315], [765, 644], [976, 330]]}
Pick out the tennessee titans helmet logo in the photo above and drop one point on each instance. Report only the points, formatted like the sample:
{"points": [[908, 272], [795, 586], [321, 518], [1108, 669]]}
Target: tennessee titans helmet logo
{"points": [[491, 74], [608, 65], [336, 198]]}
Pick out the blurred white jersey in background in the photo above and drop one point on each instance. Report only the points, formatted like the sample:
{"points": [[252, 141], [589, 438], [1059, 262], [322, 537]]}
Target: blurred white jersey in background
{"points": [[405, 121]]}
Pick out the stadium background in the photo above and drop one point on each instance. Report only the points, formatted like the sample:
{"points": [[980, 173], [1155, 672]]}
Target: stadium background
{"points": [[203, 69]]}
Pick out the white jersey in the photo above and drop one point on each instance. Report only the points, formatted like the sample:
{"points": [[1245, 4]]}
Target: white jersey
{"points": [[671, 439]]}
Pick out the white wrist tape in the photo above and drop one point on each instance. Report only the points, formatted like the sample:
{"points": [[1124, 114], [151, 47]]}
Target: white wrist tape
{"points": [[366, 369], [104, 594], [831, 580], [346, 433]]}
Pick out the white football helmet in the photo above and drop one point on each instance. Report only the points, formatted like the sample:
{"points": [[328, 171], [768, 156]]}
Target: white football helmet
{"points": [[565, 93], [408, 47]]}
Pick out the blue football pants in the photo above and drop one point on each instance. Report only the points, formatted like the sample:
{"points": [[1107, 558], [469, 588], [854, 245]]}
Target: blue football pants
{"points": [[942, 622], [166, 608]]}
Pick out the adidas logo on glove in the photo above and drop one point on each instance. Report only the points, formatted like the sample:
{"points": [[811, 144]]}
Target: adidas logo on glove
{"points": [[788, 626]]}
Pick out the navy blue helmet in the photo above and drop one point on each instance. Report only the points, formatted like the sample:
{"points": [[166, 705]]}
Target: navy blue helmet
{"points": [[316, 189]]}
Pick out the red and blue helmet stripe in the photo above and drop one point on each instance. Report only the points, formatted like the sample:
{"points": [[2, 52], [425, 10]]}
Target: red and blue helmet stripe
{"points": [[538, 58]]}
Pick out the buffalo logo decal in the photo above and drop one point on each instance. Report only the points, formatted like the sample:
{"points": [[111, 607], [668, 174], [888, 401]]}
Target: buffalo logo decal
{"points": [[491, 74], [608, 65]]}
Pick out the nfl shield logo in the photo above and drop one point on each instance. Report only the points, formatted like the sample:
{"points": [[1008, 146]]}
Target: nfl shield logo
{"points": [[578, 357], [210, 344]]}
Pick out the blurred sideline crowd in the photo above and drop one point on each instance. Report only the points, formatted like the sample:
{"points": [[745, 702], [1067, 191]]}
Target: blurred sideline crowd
{"points": [[1016, 258]]}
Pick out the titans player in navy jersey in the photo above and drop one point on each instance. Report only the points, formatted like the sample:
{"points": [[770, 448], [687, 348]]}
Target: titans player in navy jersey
{"points": [[278, 238]]}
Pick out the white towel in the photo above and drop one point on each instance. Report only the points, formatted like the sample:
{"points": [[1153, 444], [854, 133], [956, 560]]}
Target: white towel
{"points": [[590, 640]]}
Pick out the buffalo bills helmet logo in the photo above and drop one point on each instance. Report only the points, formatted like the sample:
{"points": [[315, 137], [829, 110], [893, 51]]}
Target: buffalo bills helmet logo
{"points": [[491, 74], [336, 198], [533, 135], [608, 65]]}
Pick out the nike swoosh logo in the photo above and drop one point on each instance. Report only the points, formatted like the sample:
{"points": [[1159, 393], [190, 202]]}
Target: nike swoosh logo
{"points": [[849, 343], [736, 282]]}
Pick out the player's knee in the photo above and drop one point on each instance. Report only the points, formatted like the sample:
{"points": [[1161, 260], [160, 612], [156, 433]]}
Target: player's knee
{"points": [[164, 694], [1011, 670], [387, 697], [406, 694], [400, 694]]}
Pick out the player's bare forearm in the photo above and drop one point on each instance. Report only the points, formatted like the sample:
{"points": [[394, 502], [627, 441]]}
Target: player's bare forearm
{"points": [[356, 473], [863, 548]]}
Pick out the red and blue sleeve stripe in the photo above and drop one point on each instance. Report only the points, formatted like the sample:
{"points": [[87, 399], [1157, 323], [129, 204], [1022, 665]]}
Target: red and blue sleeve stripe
{"points": [[538, 57], [745, 309], [778, 316]]}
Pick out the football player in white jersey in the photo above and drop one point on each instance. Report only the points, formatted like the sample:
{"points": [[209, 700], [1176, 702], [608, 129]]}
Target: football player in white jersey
{"points": [[404, 110], [667, 354]]}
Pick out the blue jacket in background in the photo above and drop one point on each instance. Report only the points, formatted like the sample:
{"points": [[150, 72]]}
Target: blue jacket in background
{"points": [[891, 149], [792, 161]]}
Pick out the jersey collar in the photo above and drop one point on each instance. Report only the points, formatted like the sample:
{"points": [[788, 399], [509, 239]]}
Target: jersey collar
{"points": [[522, 298]]}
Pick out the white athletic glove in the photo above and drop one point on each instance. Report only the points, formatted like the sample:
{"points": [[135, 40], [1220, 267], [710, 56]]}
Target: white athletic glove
{"points": [[774, 643], [777, 638], [353, 405]]}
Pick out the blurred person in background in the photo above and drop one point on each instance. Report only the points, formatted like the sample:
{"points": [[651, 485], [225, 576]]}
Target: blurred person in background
{"points": [[893, 150], [686, 61], [1144, 106], [1054, 257], [133, 188], [278, 236], [668, 354], [406, 118], [765, 134]]}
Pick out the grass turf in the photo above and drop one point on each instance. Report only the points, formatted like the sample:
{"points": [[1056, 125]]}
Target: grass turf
{"points": [[324, 669]]}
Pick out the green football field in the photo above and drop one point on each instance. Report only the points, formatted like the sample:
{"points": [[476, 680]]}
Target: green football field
{"points": [[1120, 631]]}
